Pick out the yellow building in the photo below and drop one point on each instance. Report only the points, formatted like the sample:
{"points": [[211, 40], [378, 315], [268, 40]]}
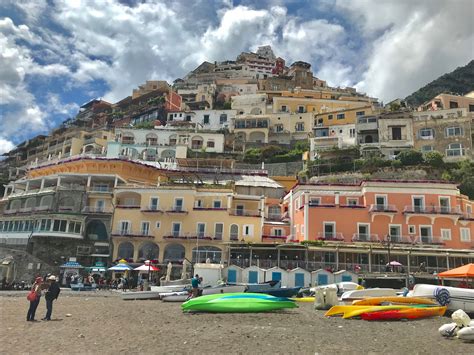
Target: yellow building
{"points": [[173, 222], [342, 116]]}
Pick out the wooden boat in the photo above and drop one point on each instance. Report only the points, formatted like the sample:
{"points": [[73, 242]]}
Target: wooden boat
{"points": [[237, 303], [409, 313], [140, 295], [376, 301], [366, 293], [453, 297]]}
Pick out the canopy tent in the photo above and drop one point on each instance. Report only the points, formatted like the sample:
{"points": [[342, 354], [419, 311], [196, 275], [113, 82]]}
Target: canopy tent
{"points": [[465, 271], [120, 267], [72, 265], [146, 267]]}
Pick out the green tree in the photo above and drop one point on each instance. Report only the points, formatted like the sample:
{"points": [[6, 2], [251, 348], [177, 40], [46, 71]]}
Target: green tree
{"points": [[410, 157], [434, 159]]}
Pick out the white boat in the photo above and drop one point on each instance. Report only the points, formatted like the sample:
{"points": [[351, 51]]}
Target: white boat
{"points": [[368, 292], [454, 297], [206, 290], [140, 295], [178, 282], [341, 287], [171, 288], [175, 296]]}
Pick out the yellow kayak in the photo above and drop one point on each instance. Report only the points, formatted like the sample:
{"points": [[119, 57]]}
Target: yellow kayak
{"points": [[352, 311], [375, 301], [303, 299]]}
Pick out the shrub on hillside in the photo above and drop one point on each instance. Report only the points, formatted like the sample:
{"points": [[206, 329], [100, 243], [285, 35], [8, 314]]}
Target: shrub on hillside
{"points": [[410, 157], [434, 159]]}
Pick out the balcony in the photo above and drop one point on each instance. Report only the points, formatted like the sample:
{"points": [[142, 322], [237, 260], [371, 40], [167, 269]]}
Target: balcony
{"points": [[330, 236], [468, 216], [433, 210], [244, 213], [151, 209], [274, 217], [100, 189], [325, 142], [364, 237], [177, 209], [98, 210], [383, 208], [130, 234], [128, 206], [191, 236], [428, 240], [281, 238], [317, 204], [201, 208], [11, 211]]}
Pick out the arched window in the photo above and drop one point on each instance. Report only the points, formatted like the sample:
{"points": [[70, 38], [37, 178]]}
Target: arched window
{"points": [[148, 251], [174, 252], [202, 253], [15, 205], [96, 230], [66, 203], [46, 201], [125, 250], [30, 203], [234, 232]]}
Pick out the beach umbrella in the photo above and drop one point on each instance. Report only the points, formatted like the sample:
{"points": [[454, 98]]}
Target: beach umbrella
{"points": [[465, 271], [394, 263], [145, 267], [120, 267]]}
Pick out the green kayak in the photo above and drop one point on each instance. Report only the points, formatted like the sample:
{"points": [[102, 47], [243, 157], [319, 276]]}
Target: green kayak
{"points": [[237, 303]]}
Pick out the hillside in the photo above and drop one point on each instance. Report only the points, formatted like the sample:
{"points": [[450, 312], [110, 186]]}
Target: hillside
{"points": [[459, 81]]}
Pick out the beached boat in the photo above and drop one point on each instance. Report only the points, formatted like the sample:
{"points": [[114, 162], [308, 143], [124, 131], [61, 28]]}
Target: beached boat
{"points": [[237, 303], [348, 311], [283, 292], [340, 287], [178, 282], [171, 288], [376, 301], [263, 286], [453, 297], [206, 290], [175, 296], [350, 296], [139, 295], [409, 313]]}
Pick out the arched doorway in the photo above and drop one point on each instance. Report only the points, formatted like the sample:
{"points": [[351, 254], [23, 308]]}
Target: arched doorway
{"points": [[96, 231], [148, 251], [368, 139], [174, 252], [125, 250], [202, 253], [234, 232]]}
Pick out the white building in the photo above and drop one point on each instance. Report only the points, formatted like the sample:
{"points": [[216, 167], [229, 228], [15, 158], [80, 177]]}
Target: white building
{"points": [[250, 104], [340, 136], [213, 120]]}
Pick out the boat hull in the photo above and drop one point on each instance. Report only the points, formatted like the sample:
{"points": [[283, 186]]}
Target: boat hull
{"points": [[454, 297], [370, 292], [140, 295], [410, 313], [375, 301]]}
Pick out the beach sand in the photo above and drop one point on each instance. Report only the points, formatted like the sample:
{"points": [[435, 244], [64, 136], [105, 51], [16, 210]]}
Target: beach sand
{"points": [[103, 323]]}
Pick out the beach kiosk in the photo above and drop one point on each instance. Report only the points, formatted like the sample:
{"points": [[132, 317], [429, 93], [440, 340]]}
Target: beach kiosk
{"points": [[277, 274], [69, 269], [233, 274], [299, 277], [345, 276], [253, 275], [322, 277]]}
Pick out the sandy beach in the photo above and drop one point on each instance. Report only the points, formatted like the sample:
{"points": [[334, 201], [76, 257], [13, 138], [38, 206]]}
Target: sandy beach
{"points": [[103, 323]]}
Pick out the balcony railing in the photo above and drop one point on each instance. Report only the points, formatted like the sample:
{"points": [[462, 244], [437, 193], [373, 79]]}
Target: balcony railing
{"points": [[428, 240], [191, 236], [469, 216], [152, 209], [383, 208], [128, 233], [433, 210], [245, 213], [363, 237], [317, 204], [95, 209], [96, 189], [274, 217], [202, 208], [128, 206], [275, 237], [177, 209], [332, 236]]}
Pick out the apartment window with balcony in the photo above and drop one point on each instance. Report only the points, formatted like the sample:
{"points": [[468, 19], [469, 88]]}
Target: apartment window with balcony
{"points": [[154, 203], [426, 133], [178, 204], [360, 113], [444, 204], [217, 204], [465, 234], [396, 133], [418, 203], [176, 231], [206, 119], [125, 227], [100, 205], [453, 104], [299, 127], [329, 230], [395, 232], [201, 230], [352, 133], [239, 210], [341, 116], [454, 131], [455, 150], [380, 202], [363, 232], [426, 234], [145, 228], [218, 230], [445, 234]]}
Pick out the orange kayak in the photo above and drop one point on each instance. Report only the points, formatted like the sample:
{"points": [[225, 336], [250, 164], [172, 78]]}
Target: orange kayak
{"points": [[410, 313], [375, 301]]}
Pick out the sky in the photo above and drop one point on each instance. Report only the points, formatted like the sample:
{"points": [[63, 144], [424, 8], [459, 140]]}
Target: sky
{"points": [[55, 55]]}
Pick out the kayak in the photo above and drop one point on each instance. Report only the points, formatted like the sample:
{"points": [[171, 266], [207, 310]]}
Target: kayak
{"points": [[410, 313], [375, 301], [303, 299], [346, 309], [237, 303]]}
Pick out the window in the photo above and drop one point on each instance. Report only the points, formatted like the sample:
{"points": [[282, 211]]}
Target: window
{"points": [[178, 204], [426, 148], [239, 210], [217, 204], [426, 234], [453, 104], [299, 127], [352, 133], [396, 133], [198, 203], [360, 113], [301, 109], [218, 230], [471, 108], [234, 232], [279, 128], [330, 117], [329, 230], [124, 227], [454, 150], [145, 228], [158, 225], [381, 202], [426, 133], [283, 108], [100, 205], [341, 116], [363, 233], [154, 202], [59, 225], [176, 229], [223, 118], [395, 233], [74, 227], [418, 204], [210, 144], [445, 234], [411, 229], [248, 230], [352, 201], [444, 204], [454, 131], [206, 119], [201, 230], [465, 234], [188, 118], [315, 201]]}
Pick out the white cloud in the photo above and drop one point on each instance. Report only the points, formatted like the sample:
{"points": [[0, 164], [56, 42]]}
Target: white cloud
{"points": [[5, 145]]}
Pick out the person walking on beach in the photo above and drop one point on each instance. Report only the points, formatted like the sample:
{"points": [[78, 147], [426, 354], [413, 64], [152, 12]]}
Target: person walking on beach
{"points": [[51, 294], [195, 281], [36, 288]]}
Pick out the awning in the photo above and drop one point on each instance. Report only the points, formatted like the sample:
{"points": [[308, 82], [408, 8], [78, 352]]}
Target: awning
{"points": [[465, 271], [72, 265]]}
